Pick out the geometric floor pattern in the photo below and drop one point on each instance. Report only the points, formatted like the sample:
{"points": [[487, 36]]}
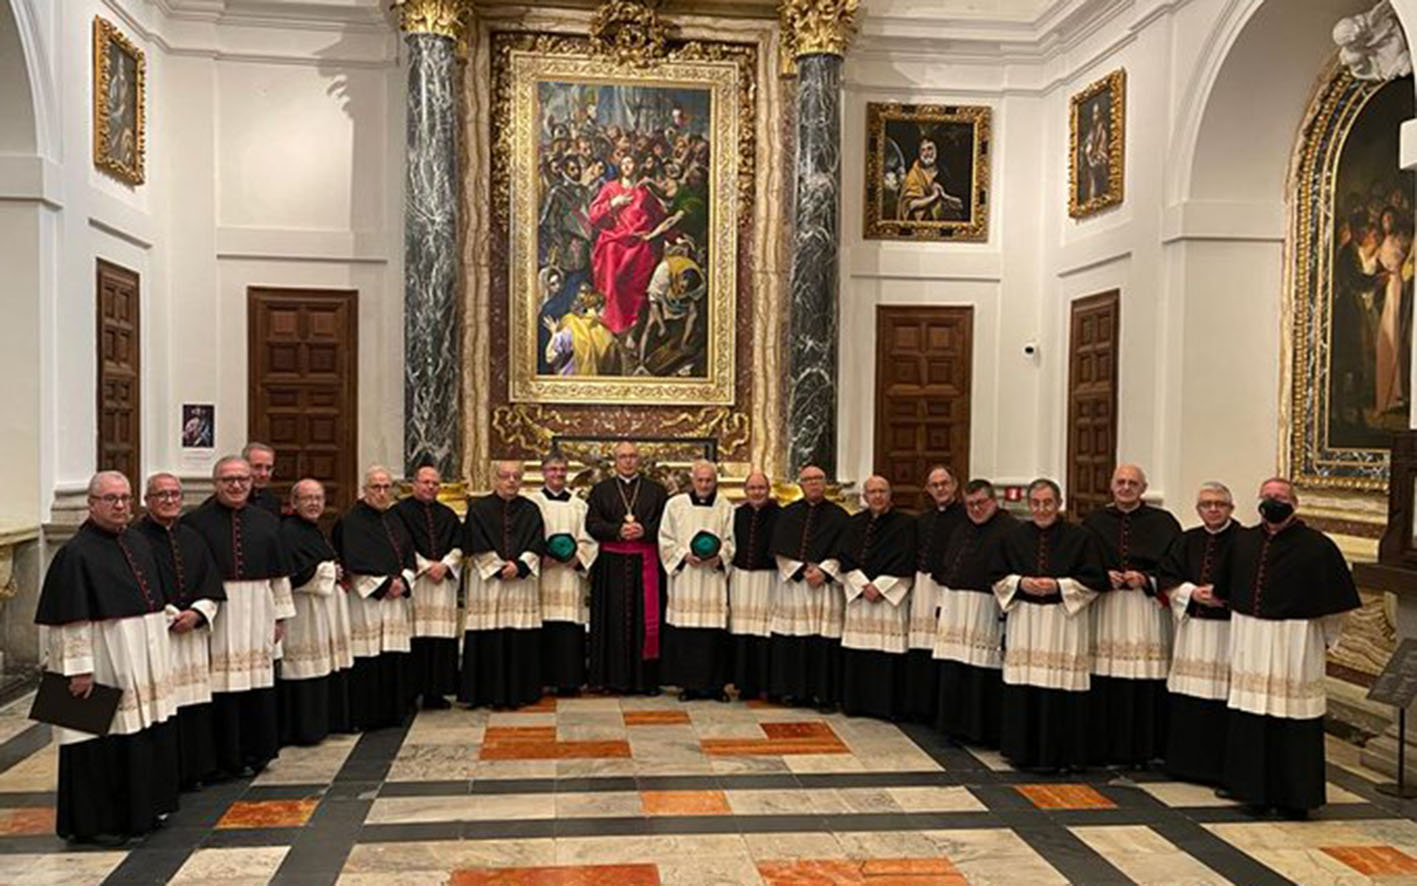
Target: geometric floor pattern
{"points": [[603, 791]]}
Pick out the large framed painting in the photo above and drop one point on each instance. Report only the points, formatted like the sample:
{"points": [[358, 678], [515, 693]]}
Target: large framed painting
{"points": [[927, 172], [1097, 141], [1348, 311], [119, 87], [624, 191]]}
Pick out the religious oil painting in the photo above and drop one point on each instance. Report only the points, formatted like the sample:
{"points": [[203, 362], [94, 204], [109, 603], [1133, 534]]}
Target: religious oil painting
{"points": [[927, 172], [1349, 311], [623, 231], [119, 73], [1097, 145], [198, 425]]}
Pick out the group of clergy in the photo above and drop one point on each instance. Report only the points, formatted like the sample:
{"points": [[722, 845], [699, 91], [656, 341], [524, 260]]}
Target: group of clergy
{"points": [[235, 629]]}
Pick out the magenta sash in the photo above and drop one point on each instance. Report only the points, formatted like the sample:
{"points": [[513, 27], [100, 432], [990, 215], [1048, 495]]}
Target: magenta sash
{"points": [[649, 574]]}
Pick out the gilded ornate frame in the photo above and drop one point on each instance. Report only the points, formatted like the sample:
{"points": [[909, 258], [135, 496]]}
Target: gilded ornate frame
{"points": [[1306, 455], [974, 229], [1115, 84], [106, 34], [723, 79]]}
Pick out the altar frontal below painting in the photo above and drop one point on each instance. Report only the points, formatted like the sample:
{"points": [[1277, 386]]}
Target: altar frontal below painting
{"points": [[624, 191], [1350, 308]]}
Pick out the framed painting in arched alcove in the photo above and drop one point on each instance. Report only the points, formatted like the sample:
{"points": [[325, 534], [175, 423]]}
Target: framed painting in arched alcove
{"points": [[1349, 306]]}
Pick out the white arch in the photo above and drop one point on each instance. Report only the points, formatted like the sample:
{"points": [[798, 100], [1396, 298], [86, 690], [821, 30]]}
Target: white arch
{"points": [[32, 19]]}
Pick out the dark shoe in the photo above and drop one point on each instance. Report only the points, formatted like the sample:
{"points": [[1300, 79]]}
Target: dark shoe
{"points": [[653, 691], [721, 697], [686, 695], [1290, 814], [568, 692], [435, 703], [1223, 794]]}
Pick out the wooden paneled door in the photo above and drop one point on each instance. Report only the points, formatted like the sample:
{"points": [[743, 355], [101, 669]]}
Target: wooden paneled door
{"points": [[119, 376], [923, 364], [303, 396], [1092, 401]]}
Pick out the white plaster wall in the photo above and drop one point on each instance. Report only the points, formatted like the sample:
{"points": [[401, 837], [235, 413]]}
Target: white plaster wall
{"points": [[274, 158], [1215, 91]]}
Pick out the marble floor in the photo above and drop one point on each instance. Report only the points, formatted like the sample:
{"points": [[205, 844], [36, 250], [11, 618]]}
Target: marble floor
{"points": [[653, 792]]}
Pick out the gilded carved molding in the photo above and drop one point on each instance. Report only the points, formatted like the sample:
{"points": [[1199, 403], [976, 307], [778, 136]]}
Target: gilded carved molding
{"points": [[629, 32], [818, 27], [445, 18]]}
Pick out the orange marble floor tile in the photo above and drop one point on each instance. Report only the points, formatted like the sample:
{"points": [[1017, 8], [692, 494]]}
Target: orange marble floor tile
{"points": [[539, 743], [546, 705], [1374, 861], [1064, 796], [782, 738], [866, 872], [656, 718], [503, 734], [268, 814], [569, 875], [684, 803], [27, 821], [764, 704]]}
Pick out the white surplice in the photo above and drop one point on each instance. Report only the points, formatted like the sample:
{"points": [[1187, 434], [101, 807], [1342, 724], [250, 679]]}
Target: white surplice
{"points": [[565, 587], [924, 623], [1047, 645], [317, 642], [970, 629], [800, 610], [243, 633], [192, 656], [133, 654], [379, 625], [880, 626], [495, 603], [697, 595], [1131, 636], [1200, 656], [750, 594], [1277, 665], [435, 603]]}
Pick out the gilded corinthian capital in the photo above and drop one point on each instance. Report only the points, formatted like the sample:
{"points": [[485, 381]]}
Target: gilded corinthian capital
{"points": [[446, 18], [818, 27]]}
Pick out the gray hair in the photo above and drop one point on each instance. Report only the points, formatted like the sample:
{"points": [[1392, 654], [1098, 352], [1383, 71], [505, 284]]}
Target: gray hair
{"points": [[97, 480], [375, 470], [295, 487], [703, 463], [151, 486], [226, 460], [1217, 487], [254, 446]]}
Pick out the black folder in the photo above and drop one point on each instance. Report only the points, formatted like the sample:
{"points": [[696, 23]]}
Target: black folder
{"points": [[54, 704]]}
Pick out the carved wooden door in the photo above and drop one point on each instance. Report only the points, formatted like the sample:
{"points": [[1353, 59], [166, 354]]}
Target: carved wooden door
{"points": [[1092, 402], [119, 376]]}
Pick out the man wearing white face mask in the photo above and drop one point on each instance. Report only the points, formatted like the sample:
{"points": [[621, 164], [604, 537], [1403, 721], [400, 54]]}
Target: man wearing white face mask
{"points": [[1287, 587]]}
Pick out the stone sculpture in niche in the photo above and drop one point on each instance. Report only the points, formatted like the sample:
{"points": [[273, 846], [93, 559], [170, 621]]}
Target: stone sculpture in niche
{"points": [[1371, 44]]}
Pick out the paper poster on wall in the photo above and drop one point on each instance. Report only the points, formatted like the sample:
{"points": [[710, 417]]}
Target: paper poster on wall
{"points": [[198, 435]]}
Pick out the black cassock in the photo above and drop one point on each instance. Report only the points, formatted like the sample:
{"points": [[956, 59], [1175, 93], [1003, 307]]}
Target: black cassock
{"points": [[501, 665], [436, 531], [1129, 715], [969, 696], [119, 784], [245, 543], [376, 543], [872, 681], [267, 500], [1042, 726], [752, 538], [1195, 741], [934, 529], [313, 707], [190, 575], [806, 669], [1297, 573], [627, 586]]}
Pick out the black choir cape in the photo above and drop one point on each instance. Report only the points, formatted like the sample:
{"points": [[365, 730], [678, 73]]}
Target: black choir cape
{"points": [[99, 575], [1196, 556], [607, 507], [261, 553], [969, 556], [1136, 539], [1296, 572], [372, 542], [808, 532], [184, 561], [753, 530], [935, 528], [1063, 550], [267, 500], [307, 546], [435, 527], [878, 544], [507, 527]]}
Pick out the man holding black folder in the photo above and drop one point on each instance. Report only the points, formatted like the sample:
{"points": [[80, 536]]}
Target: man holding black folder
{"points": [[103, 607]]}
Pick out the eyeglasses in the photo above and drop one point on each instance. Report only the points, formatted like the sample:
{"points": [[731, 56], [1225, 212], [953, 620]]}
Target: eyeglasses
{"points": [[380, 487], [233, 481], [1214, 504], [168, 495], [112, 499]]}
